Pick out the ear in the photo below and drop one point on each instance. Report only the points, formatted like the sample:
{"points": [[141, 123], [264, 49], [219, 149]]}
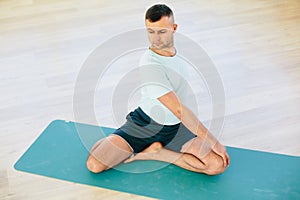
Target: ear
{"points": [[175, 26]]}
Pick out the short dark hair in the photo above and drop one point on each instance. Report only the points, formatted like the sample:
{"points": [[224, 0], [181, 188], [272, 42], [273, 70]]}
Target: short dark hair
{"points": [[156, 12]]}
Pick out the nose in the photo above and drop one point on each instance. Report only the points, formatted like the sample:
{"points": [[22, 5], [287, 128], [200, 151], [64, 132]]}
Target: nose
{"points": [[157, 37]]}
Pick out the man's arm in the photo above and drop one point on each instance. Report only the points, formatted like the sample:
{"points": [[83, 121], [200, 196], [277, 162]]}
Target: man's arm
{"points": [[189, 120]]}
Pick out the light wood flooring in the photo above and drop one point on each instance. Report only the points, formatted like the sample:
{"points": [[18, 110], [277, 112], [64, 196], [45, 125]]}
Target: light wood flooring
{"points": [[255, 45]]}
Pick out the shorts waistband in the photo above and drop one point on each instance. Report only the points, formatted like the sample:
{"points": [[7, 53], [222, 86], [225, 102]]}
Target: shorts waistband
{"points": [[148, 120]]}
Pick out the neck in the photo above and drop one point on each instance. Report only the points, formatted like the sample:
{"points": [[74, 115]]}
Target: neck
{"points": [[168, 52]]}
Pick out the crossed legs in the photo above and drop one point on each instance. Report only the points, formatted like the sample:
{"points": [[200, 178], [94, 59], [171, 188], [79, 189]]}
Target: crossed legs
{"points": [[107, 153], [195, 155]]}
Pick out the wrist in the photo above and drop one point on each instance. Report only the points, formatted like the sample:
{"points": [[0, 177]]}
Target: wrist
{"points": [[210, 139]]}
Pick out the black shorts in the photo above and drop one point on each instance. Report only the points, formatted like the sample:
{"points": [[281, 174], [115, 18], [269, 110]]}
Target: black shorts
{"points": [[140, 132]]}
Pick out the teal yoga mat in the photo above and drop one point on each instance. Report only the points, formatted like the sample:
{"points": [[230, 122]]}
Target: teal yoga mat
{"points": [[62, 149]]}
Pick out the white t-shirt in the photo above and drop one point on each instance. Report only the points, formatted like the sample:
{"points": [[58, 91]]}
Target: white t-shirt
{"points": [[160, 75]]}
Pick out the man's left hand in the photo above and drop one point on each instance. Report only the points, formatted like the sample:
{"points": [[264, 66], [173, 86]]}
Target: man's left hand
{"points": [[219, 149]]}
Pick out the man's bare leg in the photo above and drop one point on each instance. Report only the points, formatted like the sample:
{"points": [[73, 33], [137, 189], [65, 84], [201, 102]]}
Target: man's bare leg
{"points": [[107, 153], [210, 164]]}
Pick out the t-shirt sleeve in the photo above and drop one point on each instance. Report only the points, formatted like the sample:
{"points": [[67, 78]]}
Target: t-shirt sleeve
{"points": [[155, 82]]}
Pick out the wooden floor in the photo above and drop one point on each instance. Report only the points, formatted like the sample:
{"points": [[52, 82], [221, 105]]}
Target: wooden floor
{"points": [[254, 44]]}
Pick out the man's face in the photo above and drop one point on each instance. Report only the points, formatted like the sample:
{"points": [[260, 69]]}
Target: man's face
{"points": [[160, 33]]}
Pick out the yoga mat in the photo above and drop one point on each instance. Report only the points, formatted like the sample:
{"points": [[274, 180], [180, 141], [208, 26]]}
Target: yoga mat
{"points": [[62, 149]]}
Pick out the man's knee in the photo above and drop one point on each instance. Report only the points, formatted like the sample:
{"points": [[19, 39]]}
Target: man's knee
{"points": [[215, 166], [94, 165]]}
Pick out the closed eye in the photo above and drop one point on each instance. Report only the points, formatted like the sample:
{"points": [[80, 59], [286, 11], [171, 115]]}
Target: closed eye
{"points": [[150, 30]]}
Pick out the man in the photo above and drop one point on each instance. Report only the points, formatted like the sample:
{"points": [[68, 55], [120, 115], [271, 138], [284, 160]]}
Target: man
{"points": [[162, 128]]}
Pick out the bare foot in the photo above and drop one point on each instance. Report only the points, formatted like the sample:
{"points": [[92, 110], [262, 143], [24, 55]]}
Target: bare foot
{"points": [[147, 153]]}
